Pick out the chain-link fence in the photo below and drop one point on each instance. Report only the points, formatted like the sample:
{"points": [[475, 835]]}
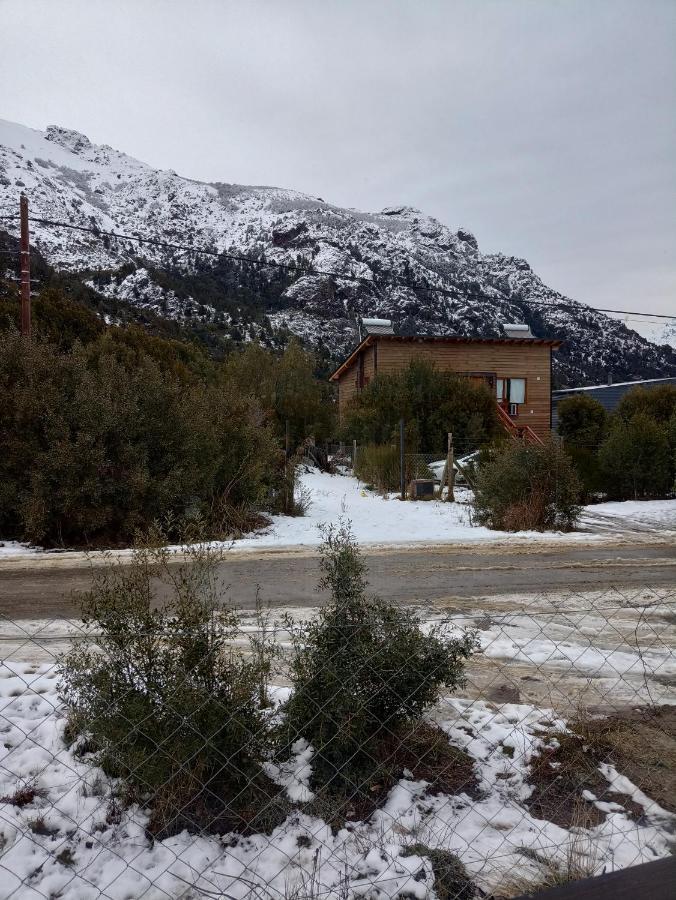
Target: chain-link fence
{"points": [[333, 752]]}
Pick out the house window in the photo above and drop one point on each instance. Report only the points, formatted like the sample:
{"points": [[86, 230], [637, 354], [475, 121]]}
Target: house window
{"points": [[511, 390]]}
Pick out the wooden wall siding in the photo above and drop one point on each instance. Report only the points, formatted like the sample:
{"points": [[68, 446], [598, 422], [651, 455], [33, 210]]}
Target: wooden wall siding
{"points": [[505, 360], [348, 382]]}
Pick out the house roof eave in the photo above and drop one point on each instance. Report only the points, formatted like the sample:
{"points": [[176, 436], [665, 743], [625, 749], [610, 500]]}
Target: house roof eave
{"points": [[440, 339]]}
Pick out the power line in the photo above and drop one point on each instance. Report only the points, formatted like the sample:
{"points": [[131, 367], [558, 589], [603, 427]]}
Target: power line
{"points": [[293, 267]]}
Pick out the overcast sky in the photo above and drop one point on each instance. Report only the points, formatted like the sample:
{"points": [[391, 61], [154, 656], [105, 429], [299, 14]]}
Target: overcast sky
{"points": [[547, 127]]}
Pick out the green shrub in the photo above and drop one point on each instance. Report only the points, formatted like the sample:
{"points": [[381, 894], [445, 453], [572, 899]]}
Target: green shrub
{"points": [[658, 403], [582, 421], [527, 487], [636, 460], [583, 425], [162, 698], [101, 440], [378, 466], [363, 670], [432, 402], [286, 388]]}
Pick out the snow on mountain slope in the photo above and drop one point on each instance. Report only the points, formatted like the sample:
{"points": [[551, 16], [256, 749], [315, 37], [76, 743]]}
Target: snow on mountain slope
{"points": [[68, 178], [657, 331]]}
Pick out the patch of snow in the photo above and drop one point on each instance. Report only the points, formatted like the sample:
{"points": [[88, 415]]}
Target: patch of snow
{"points": [[294, 774], [15, 548], [652, 511], [118, 859], [378, 520]]}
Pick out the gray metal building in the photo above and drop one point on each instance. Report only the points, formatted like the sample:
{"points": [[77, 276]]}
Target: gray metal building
{"points": [[608, 395]]}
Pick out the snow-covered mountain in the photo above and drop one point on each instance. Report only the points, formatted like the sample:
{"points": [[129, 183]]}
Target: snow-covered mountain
{"points": [[399, 253], [657, 331]]}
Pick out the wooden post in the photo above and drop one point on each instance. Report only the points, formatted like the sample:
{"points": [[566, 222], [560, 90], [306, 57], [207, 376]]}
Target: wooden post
{"points": [[25, 269], [288, 498], [450, 469], [354, 454], [402, 461]]}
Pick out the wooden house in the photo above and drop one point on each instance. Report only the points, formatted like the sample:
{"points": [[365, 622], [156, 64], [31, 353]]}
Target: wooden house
{"points": [[517, 368]]}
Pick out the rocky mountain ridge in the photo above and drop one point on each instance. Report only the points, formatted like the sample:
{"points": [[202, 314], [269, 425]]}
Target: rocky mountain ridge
{"points": [[398, 263]]}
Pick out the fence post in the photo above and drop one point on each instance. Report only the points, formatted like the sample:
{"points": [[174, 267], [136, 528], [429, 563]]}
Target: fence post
{"points": [[290, 475], [450, 470], [354, 454], [402, 461]]}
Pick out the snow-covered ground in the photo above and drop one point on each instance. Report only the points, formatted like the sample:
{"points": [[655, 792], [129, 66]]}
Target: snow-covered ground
{"points": [[383, 521], [14, 548], [386, 520], [64, 842], [658, 516]]}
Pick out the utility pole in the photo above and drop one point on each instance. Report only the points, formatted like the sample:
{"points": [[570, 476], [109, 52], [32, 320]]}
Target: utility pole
{"points": [[25, 269]]}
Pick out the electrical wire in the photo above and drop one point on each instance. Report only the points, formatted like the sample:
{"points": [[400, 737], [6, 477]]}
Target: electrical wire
{"points": [[294, 267]]}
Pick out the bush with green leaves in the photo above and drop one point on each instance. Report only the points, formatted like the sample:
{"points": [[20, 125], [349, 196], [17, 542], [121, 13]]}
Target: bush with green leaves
{"points": [[362, 671], [522, 486], [658, 403], [636, 461], [583, 425], [286, 387], [432, 402], [378, 466], [101, 440], [582, 421], [160, 697]]}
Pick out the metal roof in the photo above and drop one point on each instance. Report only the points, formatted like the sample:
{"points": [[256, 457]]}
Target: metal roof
{"points": [[608, 395]]}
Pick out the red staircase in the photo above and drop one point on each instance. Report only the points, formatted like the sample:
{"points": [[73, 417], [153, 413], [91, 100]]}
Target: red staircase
{"points": [[523, 433]]}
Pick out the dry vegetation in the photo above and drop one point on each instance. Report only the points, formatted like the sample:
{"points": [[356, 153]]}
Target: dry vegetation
{"points": [[640, 744]]}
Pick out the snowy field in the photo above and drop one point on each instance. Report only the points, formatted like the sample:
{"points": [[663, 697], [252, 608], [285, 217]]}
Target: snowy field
{"points": [[65, 843], [386, 521], [380, 520]]}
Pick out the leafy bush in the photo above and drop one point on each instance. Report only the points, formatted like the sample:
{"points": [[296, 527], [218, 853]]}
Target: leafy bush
{"points": [[583, 424], [658, 403], [582, 421], [164, 701], [527, 487], [286, 387], [636, 460], [363, 670], [432, 402], [101, 440], [378, 466]]}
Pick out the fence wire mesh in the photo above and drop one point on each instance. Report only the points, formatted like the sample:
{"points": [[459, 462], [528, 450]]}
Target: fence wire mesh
{"points": [[555, 760]]}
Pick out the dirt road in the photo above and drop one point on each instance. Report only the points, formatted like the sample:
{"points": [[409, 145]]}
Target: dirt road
{"points": [[47, 586]]}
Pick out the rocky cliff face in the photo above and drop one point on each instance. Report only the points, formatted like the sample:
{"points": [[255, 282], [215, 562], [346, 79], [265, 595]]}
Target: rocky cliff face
{"points": [[398, 263]]}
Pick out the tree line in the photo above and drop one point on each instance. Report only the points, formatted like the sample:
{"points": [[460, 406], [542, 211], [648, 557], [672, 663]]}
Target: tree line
{"points": [[629, 454], [105, 430]]}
